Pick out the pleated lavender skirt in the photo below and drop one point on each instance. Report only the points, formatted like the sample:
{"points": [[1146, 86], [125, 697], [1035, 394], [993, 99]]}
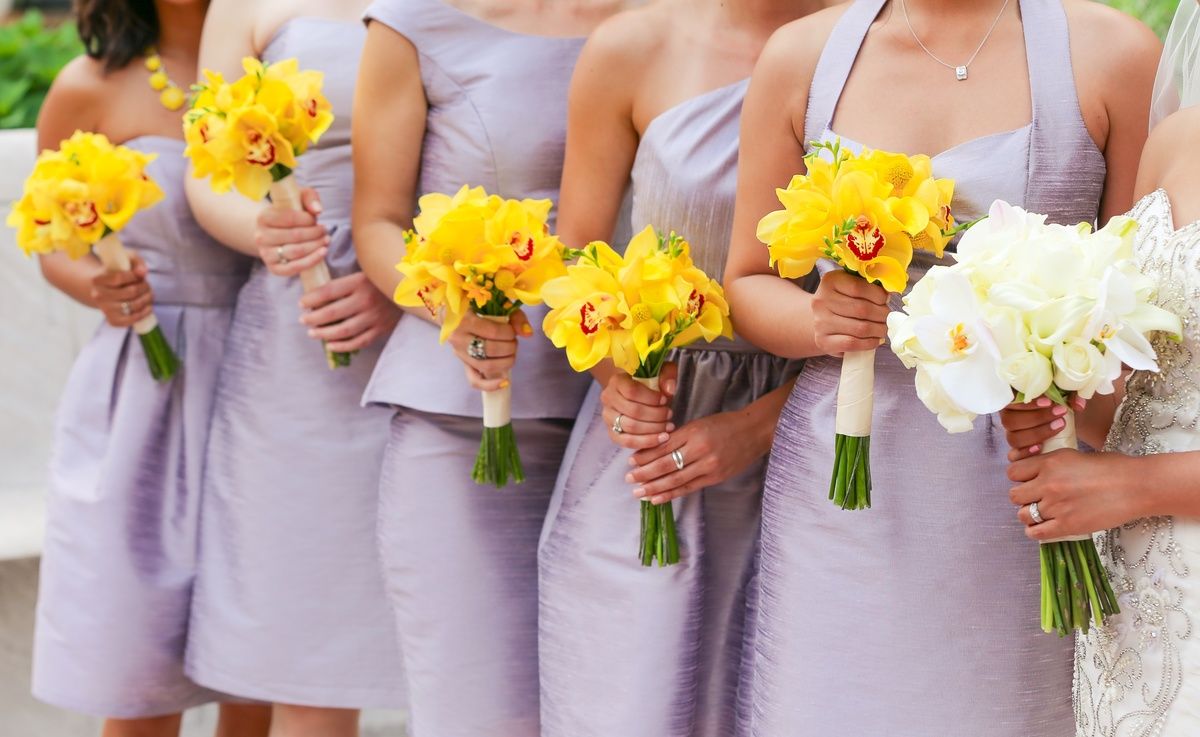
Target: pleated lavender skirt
{"points": [[461, 567], [650, 652], [120, 554], [290, 606]]}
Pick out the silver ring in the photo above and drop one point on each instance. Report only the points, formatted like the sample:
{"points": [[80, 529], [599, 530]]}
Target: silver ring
{"points": [[1035, 514], [477, 348], [677, 456], [279, 255], [126, 309], [616, 427]]}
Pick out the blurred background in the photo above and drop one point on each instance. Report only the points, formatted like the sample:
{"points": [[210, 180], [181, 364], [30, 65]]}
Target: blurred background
{"points": [[38, 340]]}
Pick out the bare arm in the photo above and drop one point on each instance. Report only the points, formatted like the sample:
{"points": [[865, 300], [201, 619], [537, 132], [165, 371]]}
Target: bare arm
{"points": [[229, 218], [389, 127]]}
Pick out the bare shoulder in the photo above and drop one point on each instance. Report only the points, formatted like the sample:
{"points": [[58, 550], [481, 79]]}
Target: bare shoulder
{"points": [[630, 39], [786, 66], [1173, 148], [75, 100], [1109, 44]]}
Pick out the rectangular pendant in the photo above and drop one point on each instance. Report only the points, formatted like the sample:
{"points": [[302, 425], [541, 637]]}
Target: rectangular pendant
{"points": [[960, 73]]}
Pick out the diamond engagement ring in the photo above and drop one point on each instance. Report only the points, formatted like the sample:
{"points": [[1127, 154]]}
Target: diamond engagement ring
{"points": [[279, 255], [477, 348], [677, 456], [1035, 514], [616, 427]]}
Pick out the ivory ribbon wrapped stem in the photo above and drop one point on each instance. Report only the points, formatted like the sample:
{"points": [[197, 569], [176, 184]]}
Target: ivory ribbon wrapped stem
{"points": [[497, 405], [856, 394], [499, 459], [285, 194], [115, 257]]}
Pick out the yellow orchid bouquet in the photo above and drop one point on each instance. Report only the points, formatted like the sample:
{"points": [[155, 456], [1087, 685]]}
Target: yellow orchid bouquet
{"points": [[867, 213], [488, 255], [246, 135], [76, 201], [633, 309]]}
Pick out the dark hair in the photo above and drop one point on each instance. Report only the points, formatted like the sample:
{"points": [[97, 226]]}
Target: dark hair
{"points": [[116, 31]]}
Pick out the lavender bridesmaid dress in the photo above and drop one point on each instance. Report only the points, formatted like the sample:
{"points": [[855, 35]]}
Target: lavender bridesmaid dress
{"points": [[919, 617], [290, 605], [655, 652], [123, 510], [461, 559]]}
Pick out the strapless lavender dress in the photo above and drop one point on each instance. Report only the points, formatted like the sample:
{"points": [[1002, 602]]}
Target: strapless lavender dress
{"points": [[124, 499], [919, 616], [650, 652], [290, 605], [461, 559]]}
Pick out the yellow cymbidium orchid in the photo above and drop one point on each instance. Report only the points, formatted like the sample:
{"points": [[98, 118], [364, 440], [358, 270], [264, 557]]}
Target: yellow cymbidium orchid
{"points": [[587, 310]]}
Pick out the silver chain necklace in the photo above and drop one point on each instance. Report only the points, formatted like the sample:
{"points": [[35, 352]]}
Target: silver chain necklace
{"points": [[960, 70]]}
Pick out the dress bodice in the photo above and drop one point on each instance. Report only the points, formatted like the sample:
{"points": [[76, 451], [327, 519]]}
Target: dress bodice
{"points": [[186, 265], [1139, 675], [332, 47], [497, 117]]}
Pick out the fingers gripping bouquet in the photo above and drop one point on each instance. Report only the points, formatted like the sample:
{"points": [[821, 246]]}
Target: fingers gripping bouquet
{"points": [[1027, 310], [633, 309], [77, 200], [488, 255], [246, 135], [867, 213]]}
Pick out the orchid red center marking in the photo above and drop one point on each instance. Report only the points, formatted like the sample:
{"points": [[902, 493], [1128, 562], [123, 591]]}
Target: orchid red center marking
{"points": [[589, 321], [865, 240], [695, 303], [310, 107], [83, 214], [261, 151], [523, 247]]}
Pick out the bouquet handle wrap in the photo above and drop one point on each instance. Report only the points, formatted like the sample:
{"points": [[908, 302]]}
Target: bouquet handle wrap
{"points": [[285, 194], [856, 394], [114, 257], [497, 405], [1066, 438], [650, 382]]}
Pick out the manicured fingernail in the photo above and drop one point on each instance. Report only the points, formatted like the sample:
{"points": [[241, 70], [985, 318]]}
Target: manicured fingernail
{"points": [[670, 387], [1058, 424], [312, 333], [629, 478], [639, 492], [505, 384], [327, 239], [526, 330], [662, 400], [1043, 402], [1059, 411], [632, 462], [670, 413], [1035, 449], [670, 427], [663, 437], [316, 207]]}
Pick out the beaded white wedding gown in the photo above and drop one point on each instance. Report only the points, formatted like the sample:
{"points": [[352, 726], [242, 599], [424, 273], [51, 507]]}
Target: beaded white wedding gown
{"points": [[1139, 675]]}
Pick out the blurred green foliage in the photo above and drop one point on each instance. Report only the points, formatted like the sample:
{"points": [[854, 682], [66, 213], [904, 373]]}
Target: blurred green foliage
{"points": [[1155, 13], [31, 53]]}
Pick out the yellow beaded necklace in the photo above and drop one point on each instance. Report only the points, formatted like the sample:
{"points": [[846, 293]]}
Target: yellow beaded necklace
{"points": [[169, 93]]}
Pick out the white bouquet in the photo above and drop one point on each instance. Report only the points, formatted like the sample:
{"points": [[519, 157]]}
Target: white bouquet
{"points": [[1031, 309]]}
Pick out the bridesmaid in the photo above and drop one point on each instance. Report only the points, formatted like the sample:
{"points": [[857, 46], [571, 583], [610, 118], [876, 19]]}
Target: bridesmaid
{"points": [[291, 606], [656, 100], [451, 94], [123, 509], [918, 616]]}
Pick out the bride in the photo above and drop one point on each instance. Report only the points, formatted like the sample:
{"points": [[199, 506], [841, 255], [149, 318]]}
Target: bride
{"points": [[1139, 675]]}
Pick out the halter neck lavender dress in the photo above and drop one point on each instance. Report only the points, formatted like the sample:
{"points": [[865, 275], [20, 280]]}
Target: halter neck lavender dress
{"points": [[919, 616], [124, 503], [655, 652], [461, 559], [290, 606]]}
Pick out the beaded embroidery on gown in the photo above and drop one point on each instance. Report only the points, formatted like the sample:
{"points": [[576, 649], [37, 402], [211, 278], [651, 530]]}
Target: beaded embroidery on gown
{"points": [[1139, 675]]}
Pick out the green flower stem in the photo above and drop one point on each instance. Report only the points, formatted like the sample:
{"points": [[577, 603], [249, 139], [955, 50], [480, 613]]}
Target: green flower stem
{"points": [[498, 460], [659, 539], [851, 485], [1075, 590], [162, 360]]}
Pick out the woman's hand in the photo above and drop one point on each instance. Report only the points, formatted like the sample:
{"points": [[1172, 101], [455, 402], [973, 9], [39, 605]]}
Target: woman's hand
{"points": [[291, 241], [645, 414], [1029, 425], [498, 341], [849, 314], [713, 449], [348, 314], [124, 297], [1077, 493]]}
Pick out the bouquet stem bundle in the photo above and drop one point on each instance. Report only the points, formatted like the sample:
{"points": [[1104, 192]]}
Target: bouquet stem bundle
{"points": [[659, 538], [1075, 587], [162, 360], [498, 459], [285, 194]]}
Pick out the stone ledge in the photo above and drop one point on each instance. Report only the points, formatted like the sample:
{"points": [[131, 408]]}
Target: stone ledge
{"points": [[22, 521]]}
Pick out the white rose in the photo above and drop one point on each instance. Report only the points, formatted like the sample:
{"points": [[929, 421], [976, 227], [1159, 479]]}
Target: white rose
{"points": [[1028, 372], [1078, 367]]}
